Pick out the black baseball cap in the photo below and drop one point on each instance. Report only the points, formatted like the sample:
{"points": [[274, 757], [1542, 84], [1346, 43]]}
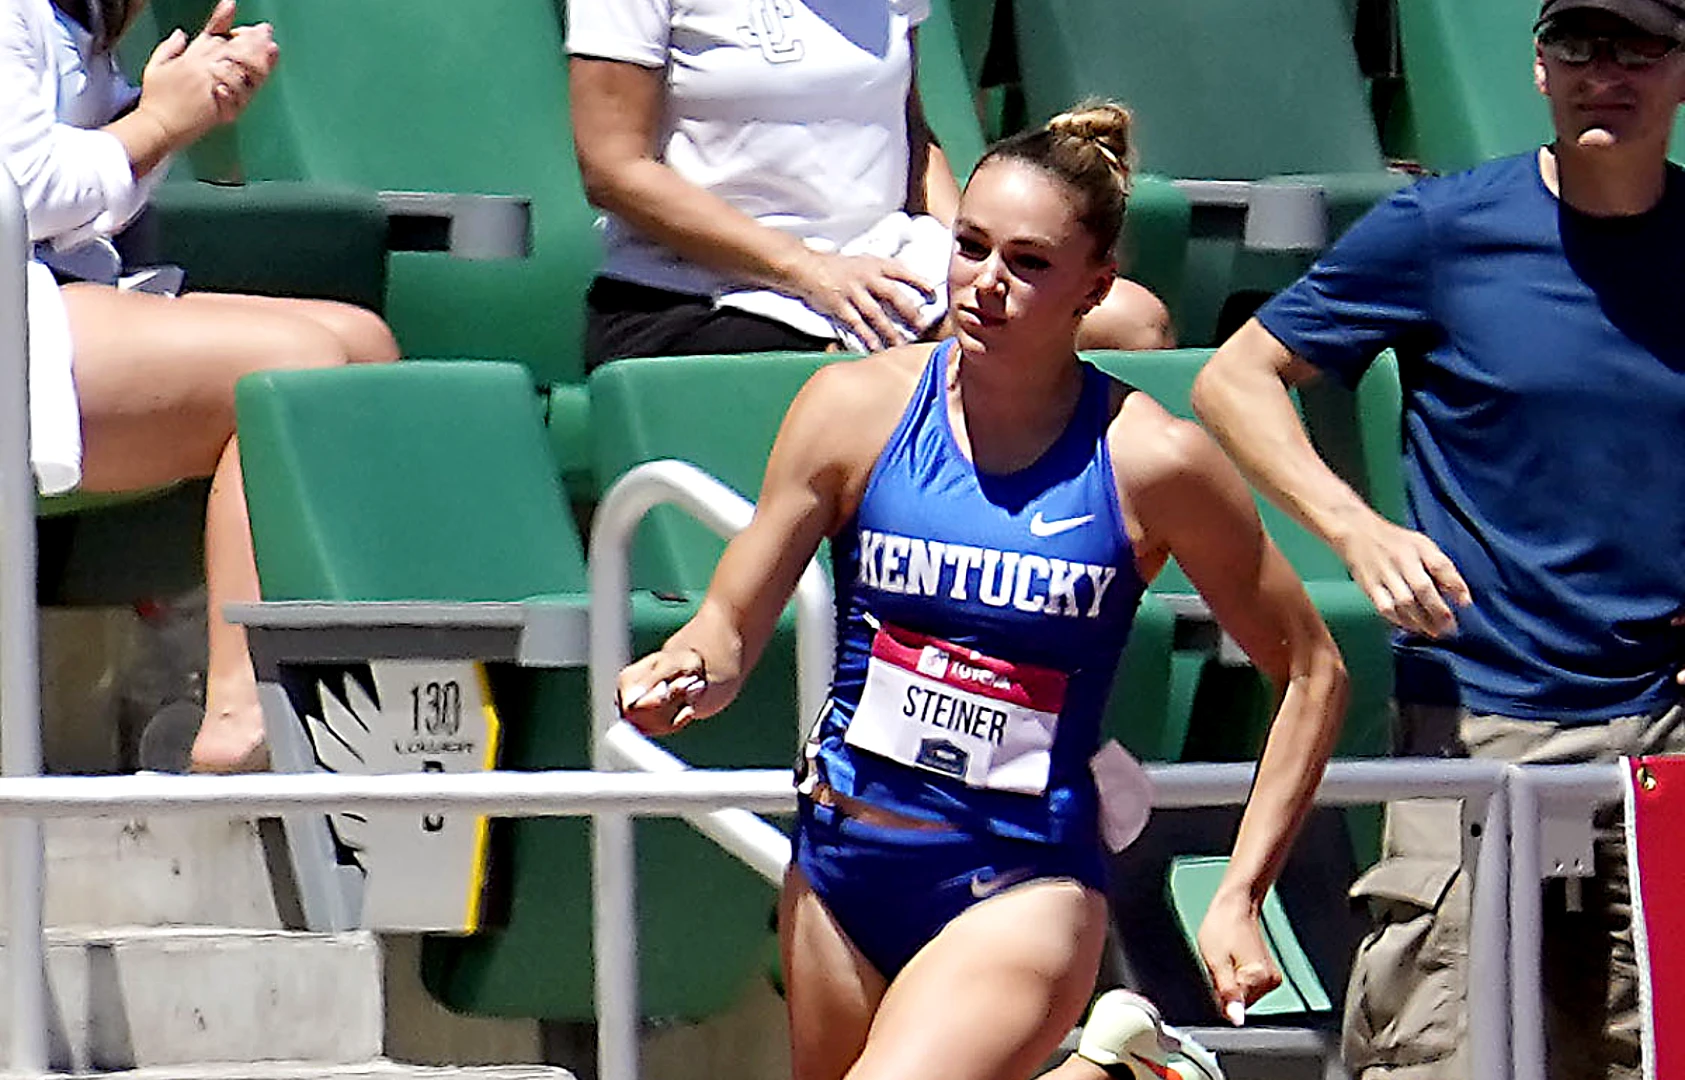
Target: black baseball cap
{"points": [[1665, 18]]}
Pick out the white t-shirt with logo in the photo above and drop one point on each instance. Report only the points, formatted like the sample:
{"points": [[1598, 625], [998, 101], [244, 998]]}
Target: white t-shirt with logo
{"points": [[793, 112]]}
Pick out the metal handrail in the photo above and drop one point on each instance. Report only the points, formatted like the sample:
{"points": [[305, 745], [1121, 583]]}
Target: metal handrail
{"points": [[1536, 792], [617, 745], [625, 794], [20, 668]]}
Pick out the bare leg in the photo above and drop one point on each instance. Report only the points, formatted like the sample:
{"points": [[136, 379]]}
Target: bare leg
{"points": [[363, 335], [991, 997], [231, 737], [831, 989], [155, 380], [1130, 317]]}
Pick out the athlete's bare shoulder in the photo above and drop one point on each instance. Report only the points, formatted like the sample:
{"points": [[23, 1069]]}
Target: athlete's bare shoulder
{"points": [[880, 380], [841, 420], [853, 405]]}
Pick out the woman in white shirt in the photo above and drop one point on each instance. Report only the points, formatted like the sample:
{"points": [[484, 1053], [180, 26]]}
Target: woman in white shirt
{"points": [[750, 156], [153, 375]]}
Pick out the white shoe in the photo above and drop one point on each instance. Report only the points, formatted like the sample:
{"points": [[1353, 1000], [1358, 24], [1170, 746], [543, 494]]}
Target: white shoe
{"points": [[1126, 1036]]}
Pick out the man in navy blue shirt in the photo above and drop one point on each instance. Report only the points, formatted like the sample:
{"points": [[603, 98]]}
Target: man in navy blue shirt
{"points": [[1537, 307]]}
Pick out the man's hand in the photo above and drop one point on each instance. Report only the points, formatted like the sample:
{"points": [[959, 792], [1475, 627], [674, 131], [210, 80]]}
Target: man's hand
{"points": [[1409, 580]]}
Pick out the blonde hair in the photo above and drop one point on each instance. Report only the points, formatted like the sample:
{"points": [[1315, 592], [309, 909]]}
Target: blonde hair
{"points": [[1089, 148]]}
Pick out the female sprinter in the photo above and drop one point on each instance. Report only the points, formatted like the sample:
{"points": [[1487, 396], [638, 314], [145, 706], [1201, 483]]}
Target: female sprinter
{"points": [[996, 508]]}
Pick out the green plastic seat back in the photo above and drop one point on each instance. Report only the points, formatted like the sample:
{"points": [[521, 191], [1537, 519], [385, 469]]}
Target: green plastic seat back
{"points": [[720, 413], [1193, 883], [1225, 89], [1167, 376], [439, 96], [423, 481], [947, 83], [1468, 78]]}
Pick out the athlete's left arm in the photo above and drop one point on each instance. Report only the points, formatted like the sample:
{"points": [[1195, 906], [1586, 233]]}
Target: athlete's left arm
{"points": [[1188, 498]]}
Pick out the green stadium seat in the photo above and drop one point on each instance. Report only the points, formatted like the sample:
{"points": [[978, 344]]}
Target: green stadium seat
{"points": [[1468, 86], [344, 110], [1193, 883], [451, 495], [1236, 91]]}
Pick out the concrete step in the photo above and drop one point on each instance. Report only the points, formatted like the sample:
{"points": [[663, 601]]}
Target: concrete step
{"points": [[168, 997], [171, 870], [373, 1070]]}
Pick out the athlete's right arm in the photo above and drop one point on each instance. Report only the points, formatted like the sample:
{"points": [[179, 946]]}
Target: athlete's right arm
{"points": [[1242, 397], [815, 476]]}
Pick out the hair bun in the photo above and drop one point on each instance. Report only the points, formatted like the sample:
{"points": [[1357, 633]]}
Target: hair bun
{"points": [[1105, 125]]}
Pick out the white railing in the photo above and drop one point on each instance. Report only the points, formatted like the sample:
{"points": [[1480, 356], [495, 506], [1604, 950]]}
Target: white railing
{"points": [[20, 667], [616, 745]]}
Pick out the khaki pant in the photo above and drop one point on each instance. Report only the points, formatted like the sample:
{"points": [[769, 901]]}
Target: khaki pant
{"points": [[1405, 1015]]}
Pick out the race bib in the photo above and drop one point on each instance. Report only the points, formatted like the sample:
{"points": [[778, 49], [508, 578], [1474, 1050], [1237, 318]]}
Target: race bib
{"points": [[951, 710]]}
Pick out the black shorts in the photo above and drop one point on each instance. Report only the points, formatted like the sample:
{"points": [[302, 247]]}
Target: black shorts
{"points": [[625, 319]]}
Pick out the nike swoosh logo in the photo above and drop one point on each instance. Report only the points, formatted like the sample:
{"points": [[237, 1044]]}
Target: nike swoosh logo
{"points": [[984, 887], [1040, 526]]}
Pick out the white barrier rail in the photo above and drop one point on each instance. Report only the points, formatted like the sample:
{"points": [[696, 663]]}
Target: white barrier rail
{"points": [[616, 745], [20, 667], [575, 793], [1550, 805]]}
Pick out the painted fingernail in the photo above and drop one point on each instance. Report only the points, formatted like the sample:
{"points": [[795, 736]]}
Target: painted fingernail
{"points": [[1236, 1012], [633, 695]]}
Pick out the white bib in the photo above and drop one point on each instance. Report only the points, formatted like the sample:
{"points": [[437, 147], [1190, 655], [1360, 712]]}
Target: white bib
{"points": [[947, 709]]}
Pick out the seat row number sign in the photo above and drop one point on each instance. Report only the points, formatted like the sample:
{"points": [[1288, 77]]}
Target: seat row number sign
{"points": [[421, 871]]}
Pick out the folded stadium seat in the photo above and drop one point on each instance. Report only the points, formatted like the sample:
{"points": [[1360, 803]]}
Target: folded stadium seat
{"points": [[453, 496], [1361, 432], [1231, 91]]}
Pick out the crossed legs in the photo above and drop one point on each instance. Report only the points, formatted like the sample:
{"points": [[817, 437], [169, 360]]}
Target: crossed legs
{"points": [[155, 381]]}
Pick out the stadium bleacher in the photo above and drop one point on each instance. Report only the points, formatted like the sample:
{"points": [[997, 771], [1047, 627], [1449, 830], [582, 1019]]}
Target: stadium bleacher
{"points": [[476, 499]]}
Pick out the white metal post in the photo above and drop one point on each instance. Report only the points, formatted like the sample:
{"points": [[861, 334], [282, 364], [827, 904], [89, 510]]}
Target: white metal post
{"points": [[614, 745], [20, 686]]}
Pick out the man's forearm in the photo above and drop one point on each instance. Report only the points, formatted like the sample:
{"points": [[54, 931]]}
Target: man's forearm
{"points": [[1243, 400]]}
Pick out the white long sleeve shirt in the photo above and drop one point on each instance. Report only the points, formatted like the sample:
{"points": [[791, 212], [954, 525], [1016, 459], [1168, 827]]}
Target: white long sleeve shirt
{"points": [[55, 92]]}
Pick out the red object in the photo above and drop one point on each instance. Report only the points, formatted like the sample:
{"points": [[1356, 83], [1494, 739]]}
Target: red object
{"points": [[1655, 804]]}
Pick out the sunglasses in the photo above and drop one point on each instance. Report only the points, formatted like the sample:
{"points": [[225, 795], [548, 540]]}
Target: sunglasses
{"points": [[1633, 52]]}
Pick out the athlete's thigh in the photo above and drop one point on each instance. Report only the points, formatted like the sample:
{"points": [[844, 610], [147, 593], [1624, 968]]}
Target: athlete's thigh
{"points": [[831, 990], [993, 994]]}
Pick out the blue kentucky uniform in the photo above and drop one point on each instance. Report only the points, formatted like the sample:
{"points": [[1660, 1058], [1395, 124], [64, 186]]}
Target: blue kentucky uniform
{"points": [[1034, 570]]}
